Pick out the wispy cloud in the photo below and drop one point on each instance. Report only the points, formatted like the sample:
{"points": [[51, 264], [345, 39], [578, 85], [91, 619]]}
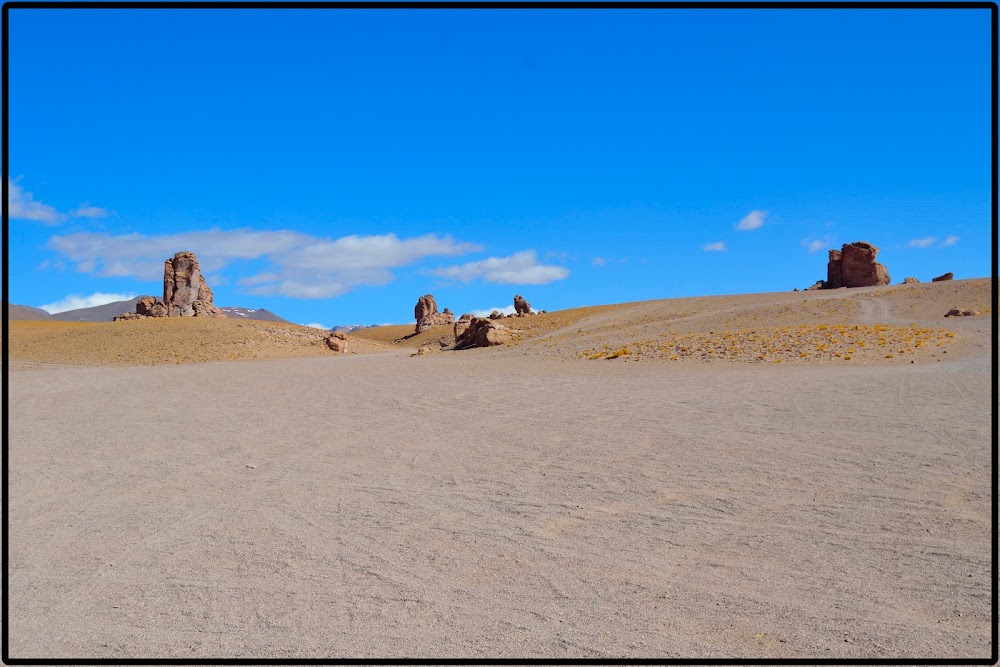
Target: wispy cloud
{"points": [[599, 261], [87, 211], [22, 206], [485, 312], [317, 325], [74, 301], [521, 268], [814, 245], [718, 246], [925, 242], [951, 240], [752, 220], [293, 264]]}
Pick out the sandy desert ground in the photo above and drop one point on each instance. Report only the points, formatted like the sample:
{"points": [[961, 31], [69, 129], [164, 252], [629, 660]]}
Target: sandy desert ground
{"points": [[668, 479]]}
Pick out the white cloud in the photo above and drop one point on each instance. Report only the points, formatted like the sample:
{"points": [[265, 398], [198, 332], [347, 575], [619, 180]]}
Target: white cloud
{"points": [[485, 312], [814, 245], [316, 325], [718, 246], [294, 264], [951, 240], [925, 242], [752, 220], [521, 268], [74, 301], [599, 261], [87, 211], [22, 205]]}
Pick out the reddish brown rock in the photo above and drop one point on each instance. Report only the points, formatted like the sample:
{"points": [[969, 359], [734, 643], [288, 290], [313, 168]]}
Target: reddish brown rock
{"points": [[427, 315], [910, 281], [482, 332], [184, 286], [521, 307], [947, 276], [833, 272], [496, 315], [337, 342], [462, 324], [855, 266], [819, 284], [185, 293]]}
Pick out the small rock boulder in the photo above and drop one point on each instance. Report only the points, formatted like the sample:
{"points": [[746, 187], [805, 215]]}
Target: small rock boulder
{"points": [[946, 276], [910, 281], [337, 342], [496, 315], [521, 307], [961, 312], [819, 284]]}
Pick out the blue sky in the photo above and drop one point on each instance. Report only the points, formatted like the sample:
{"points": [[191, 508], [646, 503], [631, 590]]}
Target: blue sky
{"points": [[334, 165]]}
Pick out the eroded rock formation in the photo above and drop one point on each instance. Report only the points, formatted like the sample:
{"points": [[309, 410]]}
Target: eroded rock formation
{"points": [[947, 276], [427, 315], [910, 281], [337, 342], [185, 293], [480, 332], [521, 307], [854, 265]]}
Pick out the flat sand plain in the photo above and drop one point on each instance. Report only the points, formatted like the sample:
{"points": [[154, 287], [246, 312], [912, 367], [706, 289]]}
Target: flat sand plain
{"points": [[541, 500]]}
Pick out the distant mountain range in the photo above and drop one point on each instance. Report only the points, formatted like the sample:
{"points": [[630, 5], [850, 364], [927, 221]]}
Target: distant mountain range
{"points": [[348, 328], [107, 312]]}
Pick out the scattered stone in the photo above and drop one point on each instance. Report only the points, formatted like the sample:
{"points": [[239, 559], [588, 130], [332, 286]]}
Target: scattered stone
{"points": [[482, 332], [496, 315], [946, 276], [960, 312], [421, 351], [337, 342], [521, 307], [427, 315], [854, 265], [910, 281], [819, 284]]}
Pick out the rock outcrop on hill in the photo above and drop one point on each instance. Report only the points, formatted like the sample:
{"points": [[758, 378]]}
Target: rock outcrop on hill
{"points": [[480, 332], [910, 281], [427, 315], [946, 276], [521, 307], [337, 342], [854, 265], [185, 293], [496, 315]]}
